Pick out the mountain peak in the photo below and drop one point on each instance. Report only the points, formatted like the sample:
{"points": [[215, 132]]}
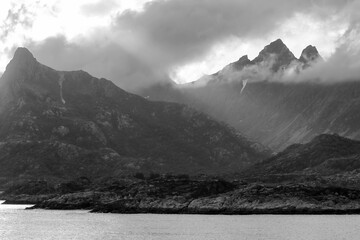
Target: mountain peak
{"points": [[277, 53], [241, 63], [276, 46], [309, 54], [23, 59], [243, 58], [23, 53]]}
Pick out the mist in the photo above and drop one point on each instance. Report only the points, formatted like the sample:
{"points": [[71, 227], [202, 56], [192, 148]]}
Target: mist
{"points": [[140, 48]]}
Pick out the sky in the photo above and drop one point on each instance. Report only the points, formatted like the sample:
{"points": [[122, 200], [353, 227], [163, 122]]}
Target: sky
{"points": [[136, 43]]}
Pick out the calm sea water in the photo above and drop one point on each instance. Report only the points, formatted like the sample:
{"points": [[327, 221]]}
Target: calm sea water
{"points": [[16, 223]]}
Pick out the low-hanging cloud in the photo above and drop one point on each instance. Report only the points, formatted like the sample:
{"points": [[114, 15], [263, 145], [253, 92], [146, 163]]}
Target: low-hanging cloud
{"points": [[107, 60], [141, 47], [178, 31], [344, 64]]}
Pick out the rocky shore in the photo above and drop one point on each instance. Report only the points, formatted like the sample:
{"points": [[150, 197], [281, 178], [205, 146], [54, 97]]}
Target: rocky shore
{"points": [[182, 195]]}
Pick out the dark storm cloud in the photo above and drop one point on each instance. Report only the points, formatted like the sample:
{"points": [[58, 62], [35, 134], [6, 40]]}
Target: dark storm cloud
{"points": [[184, 30], [107, 60], [140, 48]]}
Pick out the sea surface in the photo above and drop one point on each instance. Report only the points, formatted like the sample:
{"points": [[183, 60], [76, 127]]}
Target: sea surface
{"points": [[17, 223]]}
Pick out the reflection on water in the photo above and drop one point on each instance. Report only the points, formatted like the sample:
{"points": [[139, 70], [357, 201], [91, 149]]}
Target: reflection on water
{"points": [[16, 223]]}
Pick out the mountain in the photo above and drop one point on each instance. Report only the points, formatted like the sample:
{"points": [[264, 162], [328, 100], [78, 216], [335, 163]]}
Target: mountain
{"points": [[241, 63], [309, 55], [274, 113], [274, 58], [277, 53], [63, 124], [324, 155]]}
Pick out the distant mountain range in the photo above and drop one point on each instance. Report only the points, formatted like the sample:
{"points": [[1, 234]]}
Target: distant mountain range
{"points": [[248, 95], [61, 125]]}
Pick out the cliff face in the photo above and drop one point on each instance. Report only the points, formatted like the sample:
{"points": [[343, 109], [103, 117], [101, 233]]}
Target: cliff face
{"points": [[58, 124]]}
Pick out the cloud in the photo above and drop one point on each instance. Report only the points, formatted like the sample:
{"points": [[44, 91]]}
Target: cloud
{"points": [[142, 47], [170, 34], [343, 65], [100, 59], [99, 8], [15, 17], [179, 31]]}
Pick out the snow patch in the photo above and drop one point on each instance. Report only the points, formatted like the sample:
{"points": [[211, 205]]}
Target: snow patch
{"points": [[244, 82], [61, 80]]}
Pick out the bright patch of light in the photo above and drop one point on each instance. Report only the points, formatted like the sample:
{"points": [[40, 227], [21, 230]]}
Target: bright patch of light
{"points": [[219, 56], [303, 30], [41, 19]]}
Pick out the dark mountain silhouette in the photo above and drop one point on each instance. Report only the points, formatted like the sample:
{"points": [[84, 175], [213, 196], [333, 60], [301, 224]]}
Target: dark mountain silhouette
{"points": [[58, 124]]}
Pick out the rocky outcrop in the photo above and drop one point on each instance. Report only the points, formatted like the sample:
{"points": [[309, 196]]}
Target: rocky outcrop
{"points": [[180, 194]]}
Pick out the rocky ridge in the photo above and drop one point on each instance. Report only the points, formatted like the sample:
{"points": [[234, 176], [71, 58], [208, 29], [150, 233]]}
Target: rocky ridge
{"points": [[179, 194]]}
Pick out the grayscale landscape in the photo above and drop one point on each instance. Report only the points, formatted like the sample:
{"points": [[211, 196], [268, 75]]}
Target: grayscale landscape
{"points": [[180, 119]]}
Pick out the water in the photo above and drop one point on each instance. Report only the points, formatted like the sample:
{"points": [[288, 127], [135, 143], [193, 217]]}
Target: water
{"points": [[16, 223]]}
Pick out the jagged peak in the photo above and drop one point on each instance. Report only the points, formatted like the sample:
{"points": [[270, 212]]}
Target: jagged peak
{"points": [[310, 48], [276, 46], [243, 58], [241, 63], [278, 42], [310, 53]]}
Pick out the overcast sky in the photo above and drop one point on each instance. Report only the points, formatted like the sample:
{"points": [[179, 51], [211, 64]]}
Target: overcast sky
{"points": [[138, 42]]}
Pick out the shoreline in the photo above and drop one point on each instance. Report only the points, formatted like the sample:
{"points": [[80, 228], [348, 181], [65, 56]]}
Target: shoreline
{"points": [[194, 212], [214, 213], [172, 195]]}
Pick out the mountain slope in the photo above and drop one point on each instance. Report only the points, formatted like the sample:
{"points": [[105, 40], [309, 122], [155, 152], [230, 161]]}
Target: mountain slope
{"points": [[64, 124], [274, 113], [324, 155]]}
